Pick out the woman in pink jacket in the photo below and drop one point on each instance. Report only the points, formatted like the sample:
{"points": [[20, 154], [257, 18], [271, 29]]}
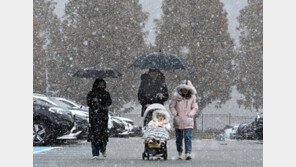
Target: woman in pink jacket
{"points": [[183, 106]]}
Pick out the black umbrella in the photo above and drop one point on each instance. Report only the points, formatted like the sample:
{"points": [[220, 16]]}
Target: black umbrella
{"points": [[161, 61], [97, 72]]}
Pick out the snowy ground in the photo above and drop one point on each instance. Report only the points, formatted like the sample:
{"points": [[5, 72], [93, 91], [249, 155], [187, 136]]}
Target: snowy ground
{"points": [[42, 149], [127, 152]]}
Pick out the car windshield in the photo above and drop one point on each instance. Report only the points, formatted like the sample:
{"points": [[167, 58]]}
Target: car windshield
{"points": [[44, 102]]}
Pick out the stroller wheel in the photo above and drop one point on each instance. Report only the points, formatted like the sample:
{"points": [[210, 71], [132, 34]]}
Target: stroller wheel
{"points": [[165, 155]]}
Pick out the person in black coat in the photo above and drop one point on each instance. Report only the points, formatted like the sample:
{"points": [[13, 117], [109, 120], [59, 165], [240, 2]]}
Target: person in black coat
{"points": [[152, 89], [98, 100]]}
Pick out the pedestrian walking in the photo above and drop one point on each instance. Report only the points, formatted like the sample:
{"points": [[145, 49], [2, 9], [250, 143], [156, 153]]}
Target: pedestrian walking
{"points": [[183, 107], [98, 100], [153, 89]]}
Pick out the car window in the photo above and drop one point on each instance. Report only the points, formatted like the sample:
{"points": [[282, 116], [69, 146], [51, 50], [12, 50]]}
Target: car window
{"points": [[41, 101], [69, 104]]}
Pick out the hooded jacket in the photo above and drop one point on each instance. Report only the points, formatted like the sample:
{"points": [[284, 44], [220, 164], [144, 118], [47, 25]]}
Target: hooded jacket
{"points": [[98, 100], [184, 107], [166, 120]]}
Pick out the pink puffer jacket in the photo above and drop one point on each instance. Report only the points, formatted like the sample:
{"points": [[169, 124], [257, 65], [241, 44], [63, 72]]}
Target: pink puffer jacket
{"points": [[184, 109]]}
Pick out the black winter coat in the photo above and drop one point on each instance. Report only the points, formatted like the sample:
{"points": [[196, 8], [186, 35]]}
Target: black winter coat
{"points": [[149, 89], [98, 101]]}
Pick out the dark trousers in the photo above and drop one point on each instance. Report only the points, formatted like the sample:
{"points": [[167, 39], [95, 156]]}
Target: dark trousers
{"points": [[186, 134], [97, 148]]}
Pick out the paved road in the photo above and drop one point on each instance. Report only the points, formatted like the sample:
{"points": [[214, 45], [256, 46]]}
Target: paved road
{"points": [[128, 152]]}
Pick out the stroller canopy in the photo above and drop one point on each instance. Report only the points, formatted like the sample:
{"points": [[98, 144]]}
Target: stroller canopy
{"points": [[159, 108]]}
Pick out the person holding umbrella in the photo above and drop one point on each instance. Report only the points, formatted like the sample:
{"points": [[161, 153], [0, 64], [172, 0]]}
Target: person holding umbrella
{"points": [[98, 100], [152, 89]]}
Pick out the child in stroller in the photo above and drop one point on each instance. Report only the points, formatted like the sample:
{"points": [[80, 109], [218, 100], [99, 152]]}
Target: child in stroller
{"points": [[156, 133]]}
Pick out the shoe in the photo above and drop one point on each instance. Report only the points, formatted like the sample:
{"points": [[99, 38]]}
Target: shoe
{"points": [[179, 155], [104, 154], [188, 156], [95, 157]]}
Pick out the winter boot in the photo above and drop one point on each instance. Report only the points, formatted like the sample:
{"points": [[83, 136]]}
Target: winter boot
{"points": [[104, 154], [188, 156], [180, 155], [95, 157]]}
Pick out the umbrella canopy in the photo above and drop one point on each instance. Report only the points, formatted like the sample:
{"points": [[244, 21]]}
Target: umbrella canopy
{"points": [[97, 72], [161, 61]]}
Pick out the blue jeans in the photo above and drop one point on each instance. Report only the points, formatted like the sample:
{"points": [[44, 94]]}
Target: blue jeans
{"points": [[180, 133], [97, 148]]}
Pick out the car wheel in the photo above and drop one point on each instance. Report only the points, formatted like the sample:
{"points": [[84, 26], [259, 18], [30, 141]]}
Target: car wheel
{"points": [[40, 133]]}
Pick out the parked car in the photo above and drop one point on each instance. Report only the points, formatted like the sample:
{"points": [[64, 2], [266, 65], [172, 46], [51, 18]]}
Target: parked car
{"points": [[80, 114], [258, 126], [118, 126], [72, 104], [51, 123], [80, 111], [246, 131], [130, 129], [250, 131], [136, 131]]}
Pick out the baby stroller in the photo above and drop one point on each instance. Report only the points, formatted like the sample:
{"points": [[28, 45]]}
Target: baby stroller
{"points": [[156, 147]]}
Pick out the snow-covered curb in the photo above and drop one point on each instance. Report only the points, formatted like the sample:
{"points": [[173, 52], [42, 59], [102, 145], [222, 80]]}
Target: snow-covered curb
{"points": [[44, 149]]}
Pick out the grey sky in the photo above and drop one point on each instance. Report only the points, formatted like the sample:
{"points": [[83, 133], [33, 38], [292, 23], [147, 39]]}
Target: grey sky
{"points": [[154, 9], [232, 8]]}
